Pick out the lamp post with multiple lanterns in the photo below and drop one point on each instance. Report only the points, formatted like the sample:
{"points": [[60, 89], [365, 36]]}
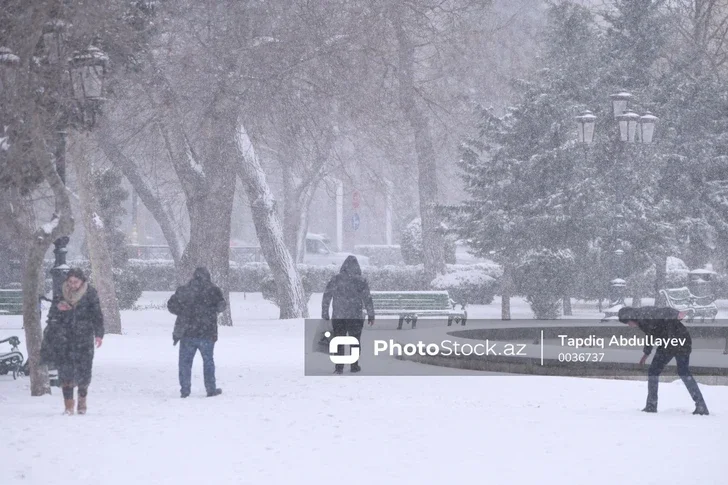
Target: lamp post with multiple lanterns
{"points": [[633, 128]]}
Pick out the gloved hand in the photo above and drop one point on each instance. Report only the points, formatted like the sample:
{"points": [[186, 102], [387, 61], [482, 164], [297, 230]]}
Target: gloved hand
{"points": [[175, 340], [371, 320]]}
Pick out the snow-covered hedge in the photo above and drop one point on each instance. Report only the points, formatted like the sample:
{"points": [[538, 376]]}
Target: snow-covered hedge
{"points": [[380, 254], [159, 275], [470, 285]]}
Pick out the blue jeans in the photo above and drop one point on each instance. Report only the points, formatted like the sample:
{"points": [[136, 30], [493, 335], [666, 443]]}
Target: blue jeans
{"points": [[188, 348], [659, 362]]}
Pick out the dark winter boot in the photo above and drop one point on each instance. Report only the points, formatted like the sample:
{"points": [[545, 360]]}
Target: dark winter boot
{"points": [[70, 404], [701, 409], [650, 408], [214, 393], [355, 368]]}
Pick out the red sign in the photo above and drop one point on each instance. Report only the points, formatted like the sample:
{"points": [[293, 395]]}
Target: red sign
{"points": [[355, 199]]}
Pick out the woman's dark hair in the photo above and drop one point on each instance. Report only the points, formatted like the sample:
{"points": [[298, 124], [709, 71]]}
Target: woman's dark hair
{"points": [[76, 273]]}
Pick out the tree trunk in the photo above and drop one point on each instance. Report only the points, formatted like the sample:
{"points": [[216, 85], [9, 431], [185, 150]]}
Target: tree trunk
{"points": [[567, 306], [433, 243], [61, 225], [291, 296], [39, 384], [291, 214], [210, 206], [660, 276], [209, 243], [295, 219], [307, 197], [144, 191], [98, 245], [506, 291], [299, 194]]}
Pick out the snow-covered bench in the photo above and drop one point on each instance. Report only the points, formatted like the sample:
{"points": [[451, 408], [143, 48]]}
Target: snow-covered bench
{"points": [[410, 305], [682, 299]]}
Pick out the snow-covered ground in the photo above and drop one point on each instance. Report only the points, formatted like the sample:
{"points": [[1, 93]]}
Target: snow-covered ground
{"points": [[273, 425]]}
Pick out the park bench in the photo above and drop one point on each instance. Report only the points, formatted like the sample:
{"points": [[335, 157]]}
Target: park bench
{"points": [[682, 299], [11, 302], [410, 305]]}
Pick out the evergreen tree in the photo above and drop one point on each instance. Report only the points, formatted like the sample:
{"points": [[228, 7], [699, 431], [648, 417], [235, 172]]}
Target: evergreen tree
{"points": [[528, 184], [113, 196]]}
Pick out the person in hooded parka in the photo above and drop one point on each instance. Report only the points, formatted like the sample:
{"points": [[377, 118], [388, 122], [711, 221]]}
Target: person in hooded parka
{"points": [[348, 293]]}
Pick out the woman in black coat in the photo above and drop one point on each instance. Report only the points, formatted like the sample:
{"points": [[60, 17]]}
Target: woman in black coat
{"points": [[75, 325]]}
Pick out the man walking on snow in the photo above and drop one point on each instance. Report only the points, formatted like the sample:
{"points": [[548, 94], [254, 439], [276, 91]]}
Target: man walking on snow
{"points": [[350, 294], [665, 324], [197, 305]]}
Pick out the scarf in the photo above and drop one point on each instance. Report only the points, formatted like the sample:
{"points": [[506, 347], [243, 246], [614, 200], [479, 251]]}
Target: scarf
{"points": [[73, 297]]}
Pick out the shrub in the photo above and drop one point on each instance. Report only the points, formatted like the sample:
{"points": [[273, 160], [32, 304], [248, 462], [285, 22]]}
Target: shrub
{"points": [[380, 254], [720, 286], [128, 288], [643, 283], [467, 286], [269, 289], [411, 244], [156, 275], [544, 278]]}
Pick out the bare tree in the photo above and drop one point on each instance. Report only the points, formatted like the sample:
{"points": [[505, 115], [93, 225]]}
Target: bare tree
{"points": [[292, 302], [154, 203]]}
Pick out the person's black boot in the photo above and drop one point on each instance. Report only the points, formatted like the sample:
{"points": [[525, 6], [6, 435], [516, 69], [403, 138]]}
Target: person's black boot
{"points": [[650, 408], [214, 393], [701, 409], [355, 368]]}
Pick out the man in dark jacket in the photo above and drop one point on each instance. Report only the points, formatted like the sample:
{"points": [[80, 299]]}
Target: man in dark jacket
{"points": [[197, 305], [674, 341], [350, 294]]}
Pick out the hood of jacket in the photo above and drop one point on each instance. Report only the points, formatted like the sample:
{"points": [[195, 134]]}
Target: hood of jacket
{"points": [[201, 278], [350, 267]]}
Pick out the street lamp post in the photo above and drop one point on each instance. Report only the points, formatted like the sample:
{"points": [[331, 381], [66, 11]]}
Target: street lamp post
{"points": [[86, 70], [632, 128]]}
